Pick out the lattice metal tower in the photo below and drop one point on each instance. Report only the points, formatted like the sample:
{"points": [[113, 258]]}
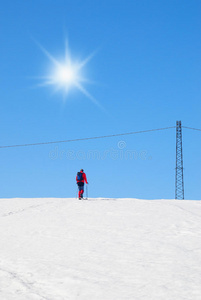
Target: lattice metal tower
{"points": [[179, 178]]}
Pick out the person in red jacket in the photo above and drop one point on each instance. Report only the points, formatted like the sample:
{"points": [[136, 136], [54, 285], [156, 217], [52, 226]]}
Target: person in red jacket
{"points": [[81, 178]]}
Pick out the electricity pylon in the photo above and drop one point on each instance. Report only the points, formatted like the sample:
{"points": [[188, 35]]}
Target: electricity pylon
{"points": [[179, 178]]}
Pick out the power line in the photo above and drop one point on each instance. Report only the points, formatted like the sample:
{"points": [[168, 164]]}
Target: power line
{"points": [[191, 128], [85, 139]]}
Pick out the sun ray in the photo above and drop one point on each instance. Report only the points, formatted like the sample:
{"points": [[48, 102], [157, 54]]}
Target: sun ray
{"points": [[51, 58], [86, 60], [88, 95], [67, 74]]}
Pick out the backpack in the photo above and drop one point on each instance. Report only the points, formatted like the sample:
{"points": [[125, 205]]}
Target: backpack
{"points": [[79, 176]]}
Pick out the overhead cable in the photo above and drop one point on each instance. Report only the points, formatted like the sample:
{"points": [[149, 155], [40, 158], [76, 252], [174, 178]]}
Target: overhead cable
{"points": [[191, 128], [85, 139]]}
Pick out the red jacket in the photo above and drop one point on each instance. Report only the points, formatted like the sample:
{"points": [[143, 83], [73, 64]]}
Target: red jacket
{"points": [[84, 178]]}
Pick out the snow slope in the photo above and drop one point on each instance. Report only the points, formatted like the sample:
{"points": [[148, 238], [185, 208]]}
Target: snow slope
{"points": [[100, 249]]}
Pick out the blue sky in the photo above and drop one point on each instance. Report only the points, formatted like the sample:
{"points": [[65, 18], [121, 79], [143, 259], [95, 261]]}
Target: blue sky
{"points": [[146, 72]]}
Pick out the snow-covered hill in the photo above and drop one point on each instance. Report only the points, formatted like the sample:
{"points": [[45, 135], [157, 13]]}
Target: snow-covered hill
{"points": [[100, 249]]}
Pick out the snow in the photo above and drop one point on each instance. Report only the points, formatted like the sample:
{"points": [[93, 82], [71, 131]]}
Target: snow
{"points": [[100, 249]]}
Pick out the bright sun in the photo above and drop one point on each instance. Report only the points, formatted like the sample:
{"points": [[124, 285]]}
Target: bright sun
{"points": [[66, 74]]}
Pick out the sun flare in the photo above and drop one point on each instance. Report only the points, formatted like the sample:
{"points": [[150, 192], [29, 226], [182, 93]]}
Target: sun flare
{"points": [[67, 74]]}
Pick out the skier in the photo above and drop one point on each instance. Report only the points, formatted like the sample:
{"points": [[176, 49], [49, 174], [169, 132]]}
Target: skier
{"points": [[81, 179]]}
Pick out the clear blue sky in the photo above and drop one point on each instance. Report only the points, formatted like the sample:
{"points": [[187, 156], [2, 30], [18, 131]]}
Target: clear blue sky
{"points": [[147, 74]]}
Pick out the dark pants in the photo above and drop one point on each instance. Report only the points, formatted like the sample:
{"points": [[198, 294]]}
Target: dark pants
{"points": [[81, 189]]}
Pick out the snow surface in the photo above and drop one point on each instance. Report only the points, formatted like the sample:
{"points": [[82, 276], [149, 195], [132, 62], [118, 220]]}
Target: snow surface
{"points": [[59, 249]]}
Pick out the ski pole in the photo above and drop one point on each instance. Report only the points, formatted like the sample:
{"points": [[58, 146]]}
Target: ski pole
{"points": [[87, 190]]}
